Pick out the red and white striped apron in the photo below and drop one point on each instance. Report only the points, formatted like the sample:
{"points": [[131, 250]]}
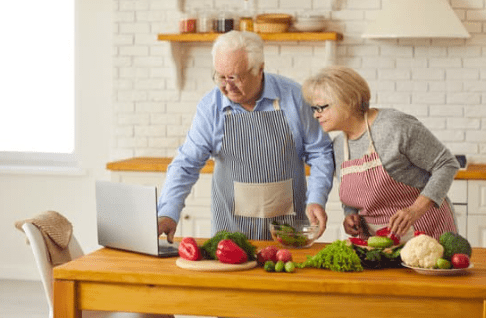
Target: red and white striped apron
{"points": [[366, 185]]}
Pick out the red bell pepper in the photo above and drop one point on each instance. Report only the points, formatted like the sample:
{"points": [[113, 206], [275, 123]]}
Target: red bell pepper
{"points": [[189, 250], [385, 231], [229, 252]]}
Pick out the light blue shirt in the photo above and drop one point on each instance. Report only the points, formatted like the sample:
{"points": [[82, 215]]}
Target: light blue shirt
{"points": [[205, 138]]}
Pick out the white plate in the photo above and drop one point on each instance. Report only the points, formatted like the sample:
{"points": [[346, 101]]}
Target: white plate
{"points": [[439, 272]]}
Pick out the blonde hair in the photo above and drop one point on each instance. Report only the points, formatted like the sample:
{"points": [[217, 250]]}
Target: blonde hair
{"points": [[342, 84], [250, 42]]}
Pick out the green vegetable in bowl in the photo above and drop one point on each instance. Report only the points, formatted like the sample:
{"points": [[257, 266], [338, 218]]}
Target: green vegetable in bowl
{"points": [[289, 236], [337, 256]]}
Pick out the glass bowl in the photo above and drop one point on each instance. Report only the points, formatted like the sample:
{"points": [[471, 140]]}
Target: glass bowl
{"points": [[298, 234]]}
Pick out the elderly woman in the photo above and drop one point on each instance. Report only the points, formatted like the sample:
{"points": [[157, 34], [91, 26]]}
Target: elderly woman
{"points": [[393, 171]]}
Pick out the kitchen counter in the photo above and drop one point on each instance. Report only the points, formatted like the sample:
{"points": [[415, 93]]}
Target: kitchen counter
{"points": [[152, 164], [115, 280]]}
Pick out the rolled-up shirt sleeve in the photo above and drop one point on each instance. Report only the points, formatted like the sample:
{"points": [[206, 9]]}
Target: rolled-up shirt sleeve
{"points": [[183, 172]]}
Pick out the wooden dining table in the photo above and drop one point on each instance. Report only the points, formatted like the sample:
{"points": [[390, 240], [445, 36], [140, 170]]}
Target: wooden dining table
{"points": [[115, 280]]}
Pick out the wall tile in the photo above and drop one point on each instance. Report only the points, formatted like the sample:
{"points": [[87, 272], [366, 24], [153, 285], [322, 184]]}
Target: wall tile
{"points": [[440, 81]]}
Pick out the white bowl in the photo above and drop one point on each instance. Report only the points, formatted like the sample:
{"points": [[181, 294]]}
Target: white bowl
{"points": [[309, 25]]}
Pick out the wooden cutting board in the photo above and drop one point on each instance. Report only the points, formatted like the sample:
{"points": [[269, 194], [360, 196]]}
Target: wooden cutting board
{"points": [[213, 265]]}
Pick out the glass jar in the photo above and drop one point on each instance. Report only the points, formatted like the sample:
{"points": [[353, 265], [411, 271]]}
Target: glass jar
{"points": [[246, 24], [205, 20], [246, 19], [225, 21], [188, 22]]}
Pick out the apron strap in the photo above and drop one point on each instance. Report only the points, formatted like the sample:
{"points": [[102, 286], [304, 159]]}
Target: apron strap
{"points": [[371, 146]]}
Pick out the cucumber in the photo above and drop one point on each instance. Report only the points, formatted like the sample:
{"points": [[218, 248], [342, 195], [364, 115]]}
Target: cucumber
{"points": [[380, 241]]}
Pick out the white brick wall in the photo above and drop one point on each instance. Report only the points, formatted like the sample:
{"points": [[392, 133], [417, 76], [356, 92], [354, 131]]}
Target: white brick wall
{"points": [[442, 82]]}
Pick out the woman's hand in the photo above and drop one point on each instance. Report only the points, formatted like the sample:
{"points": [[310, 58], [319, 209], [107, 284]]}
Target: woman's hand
{"points": [[352, 224], [403, 219], [317, 215]]}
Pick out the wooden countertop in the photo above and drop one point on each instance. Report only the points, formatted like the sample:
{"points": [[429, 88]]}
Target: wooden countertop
{"points": [[152, 164], [107, 278]]}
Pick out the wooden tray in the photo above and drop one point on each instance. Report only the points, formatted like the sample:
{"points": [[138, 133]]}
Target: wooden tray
{"points": [[213, 265]]}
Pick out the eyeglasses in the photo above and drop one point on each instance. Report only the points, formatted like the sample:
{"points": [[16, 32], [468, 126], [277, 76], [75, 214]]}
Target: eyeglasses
{"points": [[318, 108], [225, 80]]}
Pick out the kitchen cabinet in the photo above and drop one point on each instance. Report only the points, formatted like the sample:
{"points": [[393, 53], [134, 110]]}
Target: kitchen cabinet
{"points": [[459, 197], [176, 42], [476, 213]]}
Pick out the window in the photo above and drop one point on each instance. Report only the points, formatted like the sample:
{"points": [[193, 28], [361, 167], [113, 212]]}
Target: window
{"points": [[37, 105]]}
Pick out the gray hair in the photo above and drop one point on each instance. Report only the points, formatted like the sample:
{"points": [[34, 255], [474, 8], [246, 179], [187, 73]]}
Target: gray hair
{"points": [[250, 42]]}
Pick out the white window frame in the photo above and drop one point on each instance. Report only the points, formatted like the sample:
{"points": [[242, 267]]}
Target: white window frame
{"points": [[45, 162]]}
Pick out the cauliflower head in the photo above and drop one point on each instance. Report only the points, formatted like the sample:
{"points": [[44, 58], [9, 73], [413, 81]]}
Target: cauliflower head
{"points": [[422, 251]]}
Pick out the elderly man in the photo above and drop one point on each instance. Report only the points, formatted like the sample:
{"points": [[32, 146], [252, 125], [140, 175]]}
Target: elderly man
{"points": [[259, 132]]}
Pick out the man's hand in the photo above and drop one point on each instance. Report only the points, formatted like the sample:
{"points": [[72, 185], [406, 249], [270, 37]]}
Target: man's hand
{"points": [[352, 224], [317, 215], [167, 226]]}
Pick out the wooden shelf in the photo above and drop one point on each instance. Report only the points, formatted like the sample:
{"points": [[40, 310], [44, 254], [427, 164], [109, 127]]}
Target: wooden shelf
{"points": [[287, 36], [177, 41]]}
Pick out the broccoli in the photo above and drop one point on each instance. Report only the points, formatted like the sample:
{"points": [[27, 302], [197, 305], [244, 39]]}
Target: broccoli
{"points": [[454, 243]]}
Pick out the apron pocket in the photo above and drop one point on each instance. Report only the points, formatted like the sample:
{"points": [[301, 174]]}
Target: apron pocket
{"points": [[264, 200]]}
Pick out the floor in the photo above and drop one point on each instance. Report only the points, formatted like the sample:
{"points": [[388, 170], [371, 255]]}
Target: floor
{"points": [[22, 299], [26, 299]]}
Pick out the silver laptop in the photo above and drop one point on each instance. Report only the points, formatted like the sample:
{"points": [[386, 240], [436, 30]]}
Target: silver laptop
{"points": [[127, 219]]}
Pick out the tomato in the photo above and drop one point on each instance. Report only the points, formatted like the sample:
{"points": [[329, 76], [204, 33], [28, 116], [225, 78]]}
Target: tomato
{"points": [[284, 255], [460, 261], [417, 233]]}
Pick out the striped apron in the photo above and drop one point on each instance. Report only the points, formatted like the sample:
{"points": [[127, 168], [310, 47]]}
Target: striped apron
{"points": [[366, 185], [258, 175]]}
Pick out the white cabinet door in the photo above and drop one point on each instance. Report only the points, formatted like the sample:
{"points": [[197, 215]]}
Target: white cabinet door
{"points": [[476, 230], [195, 221], [458, 192], [477, 197], [476, 213], [461, 217], [335, 217], [195, 218]]}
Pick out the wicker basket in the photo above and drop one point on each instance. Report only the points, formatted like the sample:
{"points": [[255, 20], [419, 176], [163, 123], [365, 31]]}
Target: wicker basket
{"points": [[269, 27], [272, 23]]}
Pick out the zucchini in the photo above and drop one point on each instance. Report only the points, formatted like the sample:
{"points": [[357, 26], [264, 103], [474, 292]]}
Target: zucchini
{"points": [[380, 241]]}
